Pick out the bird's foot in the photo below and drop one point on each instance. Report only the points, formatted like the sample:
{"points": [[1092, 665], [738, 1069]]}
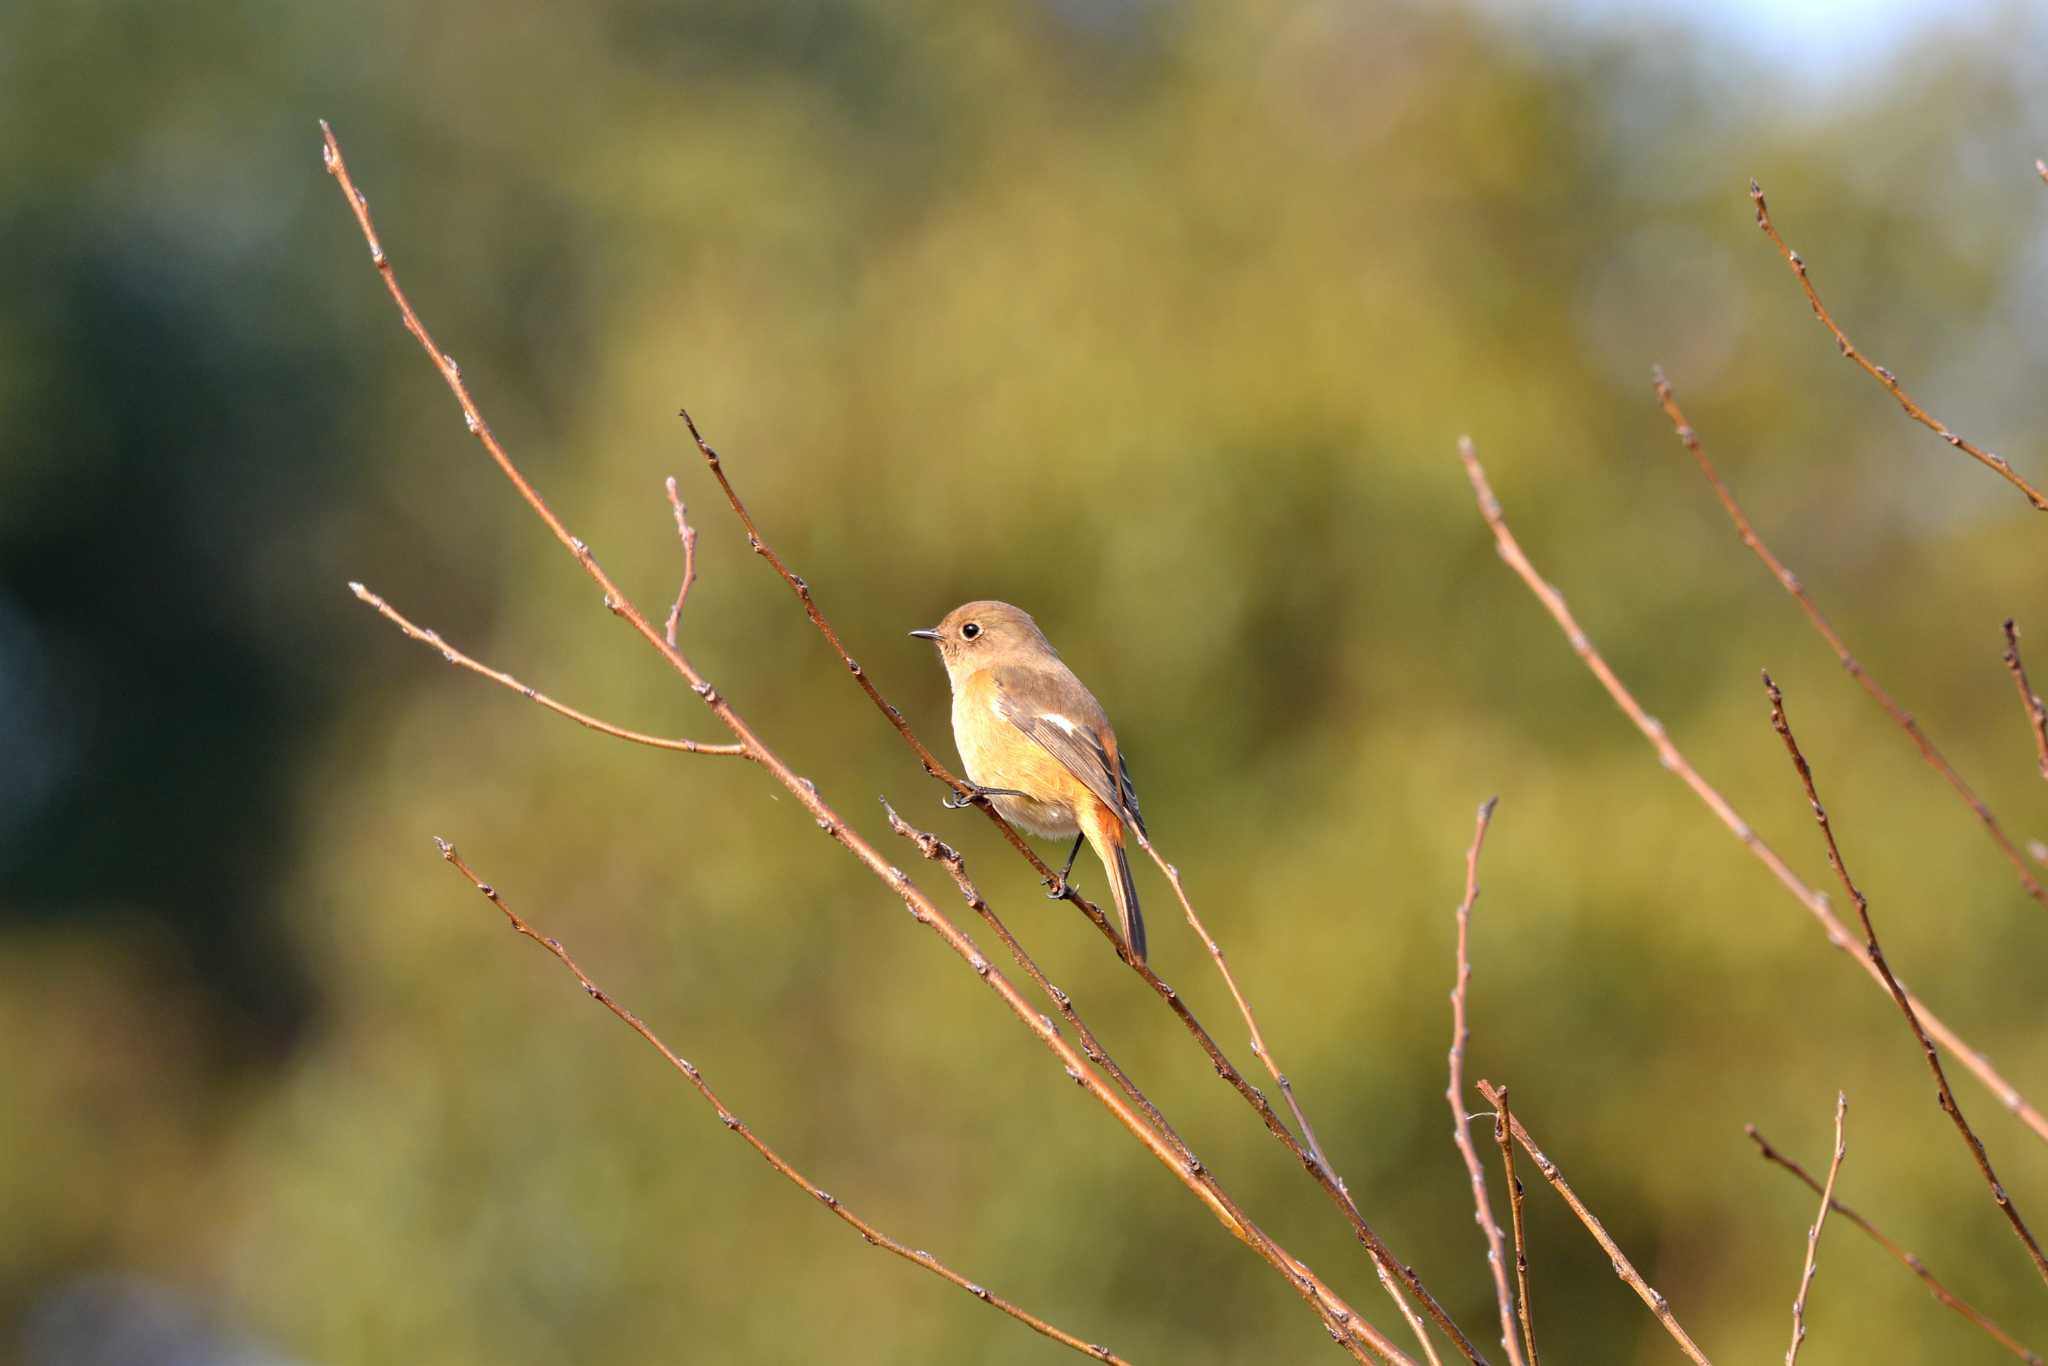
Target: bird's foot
{"points": [[1060, 888]]}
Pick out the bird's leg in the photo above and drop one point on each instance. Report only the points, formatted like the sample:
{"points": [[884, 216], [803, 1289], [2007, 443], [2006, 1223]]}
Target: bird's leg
{"points": [[976, 794], [1059, 884]]}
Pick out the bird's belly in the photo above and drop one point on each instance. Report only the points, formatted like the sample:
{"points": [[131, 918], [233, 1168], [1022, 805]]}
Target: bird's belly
{"points": [[1040, 818], [995, 755]]}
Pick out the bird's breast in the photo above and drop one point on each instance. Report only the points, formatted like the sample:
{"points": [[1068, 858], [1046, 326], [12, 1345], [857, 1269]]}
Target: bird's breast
{"points": [[997, 754]]}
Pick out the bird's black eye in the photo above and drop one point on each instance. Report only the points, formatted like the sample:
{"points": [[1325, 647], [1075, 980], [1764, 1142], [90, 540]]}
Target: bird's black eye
{"points": [[971, 630]]}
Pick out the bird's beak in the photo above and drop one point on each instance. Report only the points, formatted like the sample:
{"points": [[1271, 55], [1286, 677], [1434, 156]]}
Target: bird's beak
{"points": [[928, 633]]}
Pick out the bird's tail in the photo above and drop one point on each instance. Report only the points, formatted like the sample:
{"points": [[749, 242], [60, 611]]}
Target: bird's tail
{"points": [[1126, 893], [1106, 836]]}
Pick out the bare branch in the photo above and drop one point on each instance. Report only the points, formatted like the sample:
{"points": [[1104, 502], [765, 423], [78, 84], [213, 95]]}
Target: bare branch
{"points": [[1622, 1266], [1388, 1266], [1827, 1198], [1503, 1120], [873, 1236], [1943, 1095], [1899, 1254], [2037, 714], [456, 657], [1652, 730], [687, 534], [949, 858], [1792, 585], [1878, 372], [1454, 1093], [938, 851], [799, 586], [1310, 1156], [1343, 1323]]}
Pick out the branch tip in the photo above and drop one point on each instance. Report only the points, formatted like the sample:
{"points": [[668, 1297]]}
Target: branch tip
{"points": [[1658, 1305], [1812, 899], [1883, 376], [1944, 1095], [1689, 438]]}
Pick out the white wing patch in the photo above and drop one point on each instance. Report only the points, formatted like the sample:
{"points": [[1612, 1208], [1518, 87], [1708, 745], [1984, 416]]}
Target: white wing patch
{"points": [[1000, 705]]}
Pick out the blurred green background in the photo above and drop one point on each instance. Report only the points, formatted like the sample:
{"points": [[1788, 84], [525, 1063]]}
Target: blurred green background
{"points": [[1160, 320]]}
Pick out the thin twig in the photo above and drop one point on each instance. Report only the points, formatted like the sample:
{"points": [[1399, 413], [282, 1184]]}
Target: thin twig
{"points": [[1309, 1156], [949, 858], [1943, 1095], [1503, 1119], [1622, 1266], [1384, 1261], [2037, 714], [873, 1236], [1870, 685], [1454, 1093], [1244, 1006], [1827, 1199], [1652, 730], [1353, 1333], [456, 657], [687, 534], [802, 588], [1878, 372], [1899, 1254]]}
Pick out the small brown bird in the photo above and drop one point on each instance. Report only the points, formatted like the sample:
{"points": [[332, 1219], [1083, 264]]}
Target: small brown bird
{"points": [[1035, 743]]}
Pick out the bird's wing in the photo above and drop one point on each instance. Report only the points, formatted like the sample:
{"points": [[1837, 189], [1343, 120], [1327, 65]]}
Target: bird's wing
{"points": [[1041, 704], [1123, 773]]}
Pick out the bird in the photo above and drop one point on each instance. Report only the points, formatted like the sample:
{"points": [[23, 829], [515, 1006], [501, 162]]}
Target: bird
{"points": [[1038, 746]]}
